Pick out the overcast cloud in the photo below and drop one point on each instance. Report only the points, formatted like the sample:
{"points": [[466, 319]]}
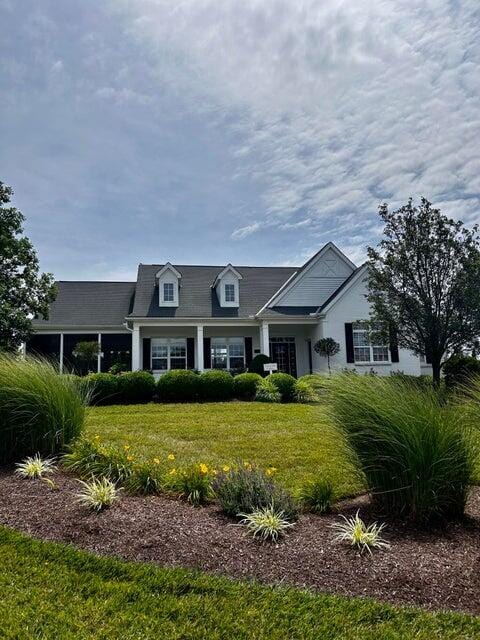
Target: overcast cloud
{"points": [[252, 131]]}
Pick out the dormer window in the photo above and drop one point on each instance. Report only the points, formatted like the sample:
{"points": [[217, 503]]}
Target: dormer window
{"points": [[168, 291], [229, 293], [227, 287], [168, 286]]}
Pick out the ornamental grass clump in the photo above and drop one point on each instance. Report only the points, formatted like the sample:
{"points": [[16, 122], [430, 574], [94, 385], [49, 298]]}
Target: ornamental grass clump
{"points": [[416, 452], [317, 495], [35, 467], [92, 458], [304, 392], [41, 411], [97, 494], [267, 392], [267, 523], [359, 535], [246, 488]]}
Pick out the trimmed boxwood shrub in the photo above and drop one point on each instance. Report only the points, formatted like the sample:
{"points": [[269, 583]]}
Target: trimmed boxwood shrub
{"points": [[103, 388], [40, 410], [256, 365], [216, 385], [459, 370], [178, 385], [285, 384], [136, 387], [245, 385]]}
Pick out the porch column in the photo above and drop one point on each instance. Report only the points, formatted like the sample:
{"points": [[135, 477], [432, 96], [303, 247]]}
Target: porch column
{"points": [[60, 363], [200, 363], [99, 355], [265, 339], [23, 349], [136, 349]]}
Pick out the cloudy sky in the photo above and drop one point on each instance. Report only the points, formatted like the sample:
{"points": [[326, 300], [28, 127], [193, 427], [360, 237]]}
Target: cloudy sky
{"points": [[244, 131]]}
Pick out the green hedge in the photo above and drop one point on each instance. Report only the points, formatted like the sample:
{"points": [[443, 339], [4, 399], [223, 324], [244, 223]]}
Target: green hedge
{"points": [[216, 385], [245, 385], [136, 387], [178, 385], [103, 388], [285, 385]]}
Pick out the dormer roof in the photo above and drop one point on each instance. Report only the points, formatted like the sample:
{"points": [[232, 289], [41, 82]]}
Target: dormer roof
{"points": [[228, 269], [168, 267]]}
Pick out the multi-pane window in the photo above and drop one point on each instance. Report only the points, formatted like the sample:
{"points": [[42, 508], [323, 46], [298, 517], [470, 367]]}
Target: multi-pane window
{"points": [[229, 293], [168, 292], [366, 347], [228, 353], [169, 353]]}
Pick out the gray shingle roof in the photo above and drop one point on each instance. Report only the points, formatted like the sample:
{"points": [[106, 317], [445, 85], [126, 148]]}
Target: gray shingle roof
{"points": [[90, 304], [198, 299]]}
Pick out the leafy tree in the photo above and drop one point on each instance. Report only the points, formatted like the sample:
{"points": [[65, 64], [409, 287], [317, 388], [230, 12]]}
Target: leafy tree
{"points": [[24, 292], [327, 347], [86, 352], [424, 281]]}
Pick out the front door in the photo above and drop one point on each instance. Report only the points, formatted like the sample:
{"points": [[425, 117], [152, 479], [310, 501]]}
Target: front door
{"points": [[282, 351]]}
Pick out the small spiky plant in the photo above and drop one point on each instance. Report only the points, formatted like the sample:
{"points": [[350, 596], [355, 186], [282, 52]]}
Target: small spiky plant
{"points": [[97, 494], [317, 495], [354, 531], [267, 523], [35, 467]]}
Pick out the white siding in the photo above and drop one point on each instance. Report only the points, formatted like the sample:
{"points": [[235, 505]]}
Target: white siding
{"points": [[318, 283], [350, 307]]}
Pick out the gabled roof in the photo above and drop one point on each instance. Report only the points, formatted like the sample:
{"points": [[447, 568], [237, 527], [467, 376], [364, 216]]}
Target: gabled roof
{"points": [[197, 299], [96, 304], [277, 297], [343, 288], [223, 272], [168, 267]]}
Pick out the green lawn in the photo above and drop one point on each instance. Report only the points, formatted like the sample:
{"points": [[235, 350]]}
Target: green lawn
{"points": [[296, 439], [54, 591]]}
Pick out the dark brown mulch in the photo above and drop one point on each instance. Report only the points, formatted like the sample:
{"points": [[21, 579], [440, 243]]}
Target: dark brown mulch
{"points": [[438, 570]]}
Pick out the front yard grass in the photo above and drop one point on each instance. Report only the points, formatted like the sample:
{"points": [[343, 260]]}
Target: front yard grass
{"points": [[295, 439], [51, 590]]}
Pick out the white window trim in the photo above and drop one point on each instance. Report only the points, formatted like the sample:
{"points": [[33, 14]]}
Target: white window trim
{"points": [[168, 357], [230, 284], [227, 342], [164, 285], [370, 362]]}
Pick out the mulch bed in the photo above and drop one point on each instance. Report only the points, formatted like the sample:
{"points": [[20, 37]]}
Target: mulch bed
{"points": [[439, 570]]}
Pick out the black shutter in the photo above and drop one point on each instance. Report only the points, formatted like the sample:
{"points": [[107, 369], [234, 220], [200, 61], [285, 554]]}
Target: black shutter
{"points": [[349, 342], [190, 353], [248, 351], [147, 365], [207, 356], [394, 345]]}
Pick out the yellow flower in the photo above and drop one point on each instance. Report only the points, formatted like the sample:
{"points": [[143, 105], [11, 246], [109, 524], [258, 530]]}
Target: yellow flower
{"points": [[171, 456], [214, 472], [173, 472], [226, 468], [97, 437], [156, 461], [130, 458], [247, 466], [126, 447], [203, 468], [270, 471]]}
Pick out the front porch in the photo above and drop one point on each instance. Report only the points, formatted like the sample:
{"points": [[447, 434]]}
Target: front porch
{"points": [[232, 347]]}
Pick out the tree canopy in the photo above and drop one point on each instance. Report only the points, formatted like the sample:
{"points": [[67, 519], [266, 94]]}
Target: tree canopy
{"points": [[424, 281], [24, 292]]}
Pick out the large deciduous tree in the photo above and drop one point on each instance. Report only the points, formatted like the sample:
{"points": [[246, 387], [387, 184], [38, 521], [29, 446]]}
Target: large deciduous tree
{"points": [[424, 280], [24, 292]]}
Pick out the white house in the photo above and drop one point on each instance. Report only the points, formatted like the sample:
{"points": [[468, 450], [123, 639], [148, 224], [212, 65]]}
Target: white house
{"points": [[202, 317]]}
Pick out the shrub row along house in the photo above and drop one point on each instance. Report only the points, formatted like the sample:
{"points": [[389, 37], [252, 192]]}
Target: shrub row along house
{"points": [[203, 317]]}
